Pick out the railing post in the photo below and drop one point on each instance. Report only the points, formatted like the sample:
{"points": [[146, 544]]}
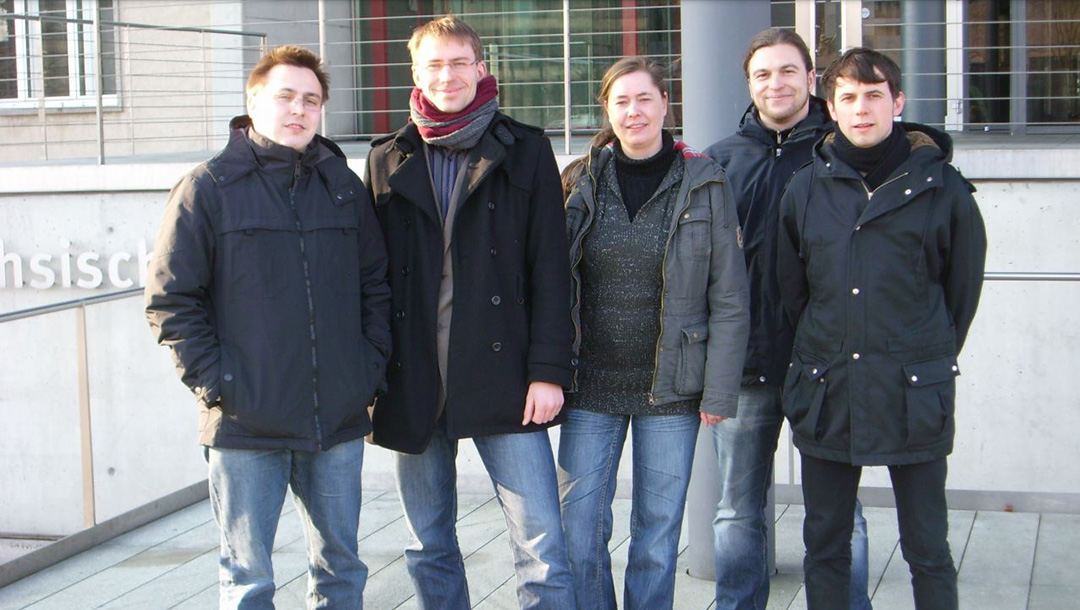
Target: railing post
{"points": [[566, 74], [98, 82], [85, 432], [326, 62]]}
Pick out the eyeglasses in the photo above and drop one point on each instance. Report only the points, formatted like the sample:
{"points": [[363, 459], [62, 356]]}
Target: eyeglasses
{"points": [[309, 102], [458, 66]]}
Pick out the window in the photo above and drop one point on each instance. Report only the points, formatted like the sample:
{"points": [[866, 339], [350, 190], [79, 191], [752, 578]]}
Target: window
{"points": [[52, 58], [523, 48]]}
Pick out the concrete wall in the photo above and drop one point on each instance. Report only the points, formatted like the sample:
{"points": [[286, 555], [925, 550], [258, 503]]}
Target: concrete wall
{"points": [[1016, 410]]}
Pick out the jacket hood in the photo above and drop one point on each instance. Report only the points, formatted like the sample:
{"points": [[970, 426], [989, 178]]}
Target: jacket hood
{"points": [[933, 141], [248, 150], [817, 122]]}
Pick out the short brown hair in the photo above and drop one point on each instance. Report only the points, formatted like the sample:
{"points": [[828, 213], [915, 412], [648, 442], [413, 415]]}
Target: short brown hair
{"points": [[862, 65], [772, 37], [448, 26], [290, 55], [629, 65]]}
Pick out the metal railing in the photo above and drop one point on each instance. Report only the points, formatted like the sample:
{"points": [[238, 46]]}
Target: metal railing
{"points": [[177, 86], [82, 363]]}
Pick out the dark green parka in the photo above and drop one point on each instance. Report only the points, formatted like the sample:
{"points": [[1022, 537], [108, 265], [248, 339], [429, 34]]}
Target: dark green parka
{"points": [[881, 287]]}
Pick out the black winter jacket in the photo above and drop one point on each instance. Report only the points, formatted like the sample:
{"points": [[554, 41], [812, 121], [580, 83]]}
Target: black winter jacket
{"points": [[511, 324], [758, 167], [882, 287], [268, 282]]}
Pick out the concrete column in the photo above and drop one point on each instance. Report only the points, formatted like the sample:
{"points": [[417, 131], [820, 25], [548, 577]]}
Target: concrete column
{"points": [[922, 35], [714, 95]]}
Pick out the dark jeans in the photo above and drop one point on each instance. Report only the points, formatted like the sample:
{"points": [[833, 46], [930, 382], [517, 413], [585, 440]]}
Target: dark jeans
{"points": [[829, 494]]}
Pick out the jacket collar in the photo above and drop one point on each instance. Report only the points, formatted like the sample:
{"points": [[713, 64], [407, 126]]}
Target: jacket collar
{"points": [[412, 181], [815, 125], [931, 151], [247, 151]]}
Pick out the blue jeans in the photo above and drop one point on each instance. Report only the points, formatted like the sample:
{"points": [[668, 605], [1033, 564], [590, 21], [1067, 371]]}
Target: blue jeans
{"points": [[590, 446], [745, 447], [247, 490], [522, 470]]}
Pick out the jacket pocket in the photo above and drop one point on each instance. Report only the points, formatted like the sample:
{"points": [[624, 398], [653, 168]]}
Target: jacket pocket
{"points": [[693, 234], [690, 373], [335, 247], [804, 393], [257, 258], [929, 396]]}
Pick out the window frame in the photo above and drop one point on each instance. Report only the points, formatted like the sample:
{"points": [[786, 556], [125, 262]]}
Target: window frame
{"points": [[29, 63]]}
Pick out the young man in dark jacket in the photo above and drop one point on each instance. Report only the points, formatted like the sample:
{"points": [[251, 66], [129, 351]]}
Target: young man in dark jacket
{"points": [[880, 260], [471, 208], [775, 138], [268, 283]]}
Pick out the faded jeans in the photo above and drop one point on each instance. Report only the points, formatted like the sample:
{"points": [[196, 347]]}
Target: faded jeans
{"points": [[745, 447]]}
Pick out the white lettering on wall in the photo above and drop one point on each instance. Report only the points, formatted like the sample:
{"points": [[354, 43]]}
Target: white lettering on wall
{"points": [[92, 269]]}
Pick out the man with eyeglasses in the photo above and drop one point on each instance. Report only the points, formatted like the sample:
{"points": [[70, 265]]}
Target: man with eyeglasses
{"points": [[470, 204], [268, 283]]}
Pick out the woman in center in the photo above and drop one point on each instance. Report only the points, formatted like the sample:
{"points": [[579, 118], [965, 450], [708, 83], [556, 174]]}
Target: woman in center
{"points": [[659, 303]]}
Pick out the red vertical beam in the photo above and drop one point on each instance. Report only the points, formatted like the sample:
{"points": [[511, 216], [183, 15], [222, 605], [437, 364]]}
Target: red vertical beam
{"points": [[629, 28], [380, 72]]}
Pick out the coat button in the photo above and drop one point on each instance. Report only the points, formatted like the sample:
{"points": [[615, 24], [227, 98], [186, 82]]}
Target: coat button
{"points": [[854, 291], [929, 178], [496, 347], [858, 227], [408, 222], [914, 378], [955, 368], [495, 300], [404, 270], [227, 377], [761, 379], [813, 371], [494, 251], [573, 362], [400, 314], [907, 191], [491, 205], [397, 365], [855, 356]]}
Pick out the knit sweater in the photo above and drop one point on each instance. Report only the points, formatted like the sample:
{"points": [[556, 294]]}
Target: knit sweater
{"points": [[622, 281]]}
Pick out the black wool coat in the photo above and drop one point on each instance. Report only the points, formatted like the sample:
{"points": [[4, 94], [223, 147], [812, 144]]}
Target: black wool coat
{"points": [[758, 168], [511, 323], [881, 287]]}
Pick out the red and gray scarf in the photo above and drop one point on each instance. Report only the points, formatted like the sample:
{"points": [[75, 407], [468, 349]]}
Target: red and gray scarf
{"points": [[457, 130]]}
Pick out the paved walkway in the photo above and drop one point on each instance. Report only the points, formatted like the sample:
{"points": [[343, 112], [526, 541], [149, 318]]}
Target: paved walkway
{"points": [[1007, 561]]}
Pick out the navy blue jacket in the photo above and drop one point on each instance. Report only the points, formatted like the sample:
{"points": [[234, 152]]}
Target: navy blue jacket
{"points": [[758, 167]]}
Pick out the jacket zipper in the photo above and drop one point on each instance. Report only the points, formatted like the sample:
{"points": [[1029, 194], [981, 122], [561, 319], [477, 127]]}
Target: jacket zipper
{"points": [[663, 290], [576, 274], [311, 305], [870, 194]]}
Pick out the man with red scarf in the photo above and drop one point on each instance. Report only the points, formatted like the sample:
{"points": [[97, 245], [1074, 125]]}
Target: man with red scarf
{"points": [[470, 205]]}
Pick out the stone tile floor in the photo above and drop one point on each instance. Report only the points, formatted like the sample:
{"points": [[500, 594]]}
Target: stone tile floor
{"points": [[1007, 561]]}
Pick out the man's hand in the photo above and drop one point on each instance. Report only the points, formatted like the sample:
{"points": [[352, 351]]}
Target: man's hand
{"points": [[709, 420], [543, 402]]}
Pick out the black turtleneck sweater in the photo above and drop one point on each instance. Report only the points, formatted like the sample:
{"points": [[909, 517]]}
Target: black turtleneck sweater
{"points": [[639, 178], [876, 163]]}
